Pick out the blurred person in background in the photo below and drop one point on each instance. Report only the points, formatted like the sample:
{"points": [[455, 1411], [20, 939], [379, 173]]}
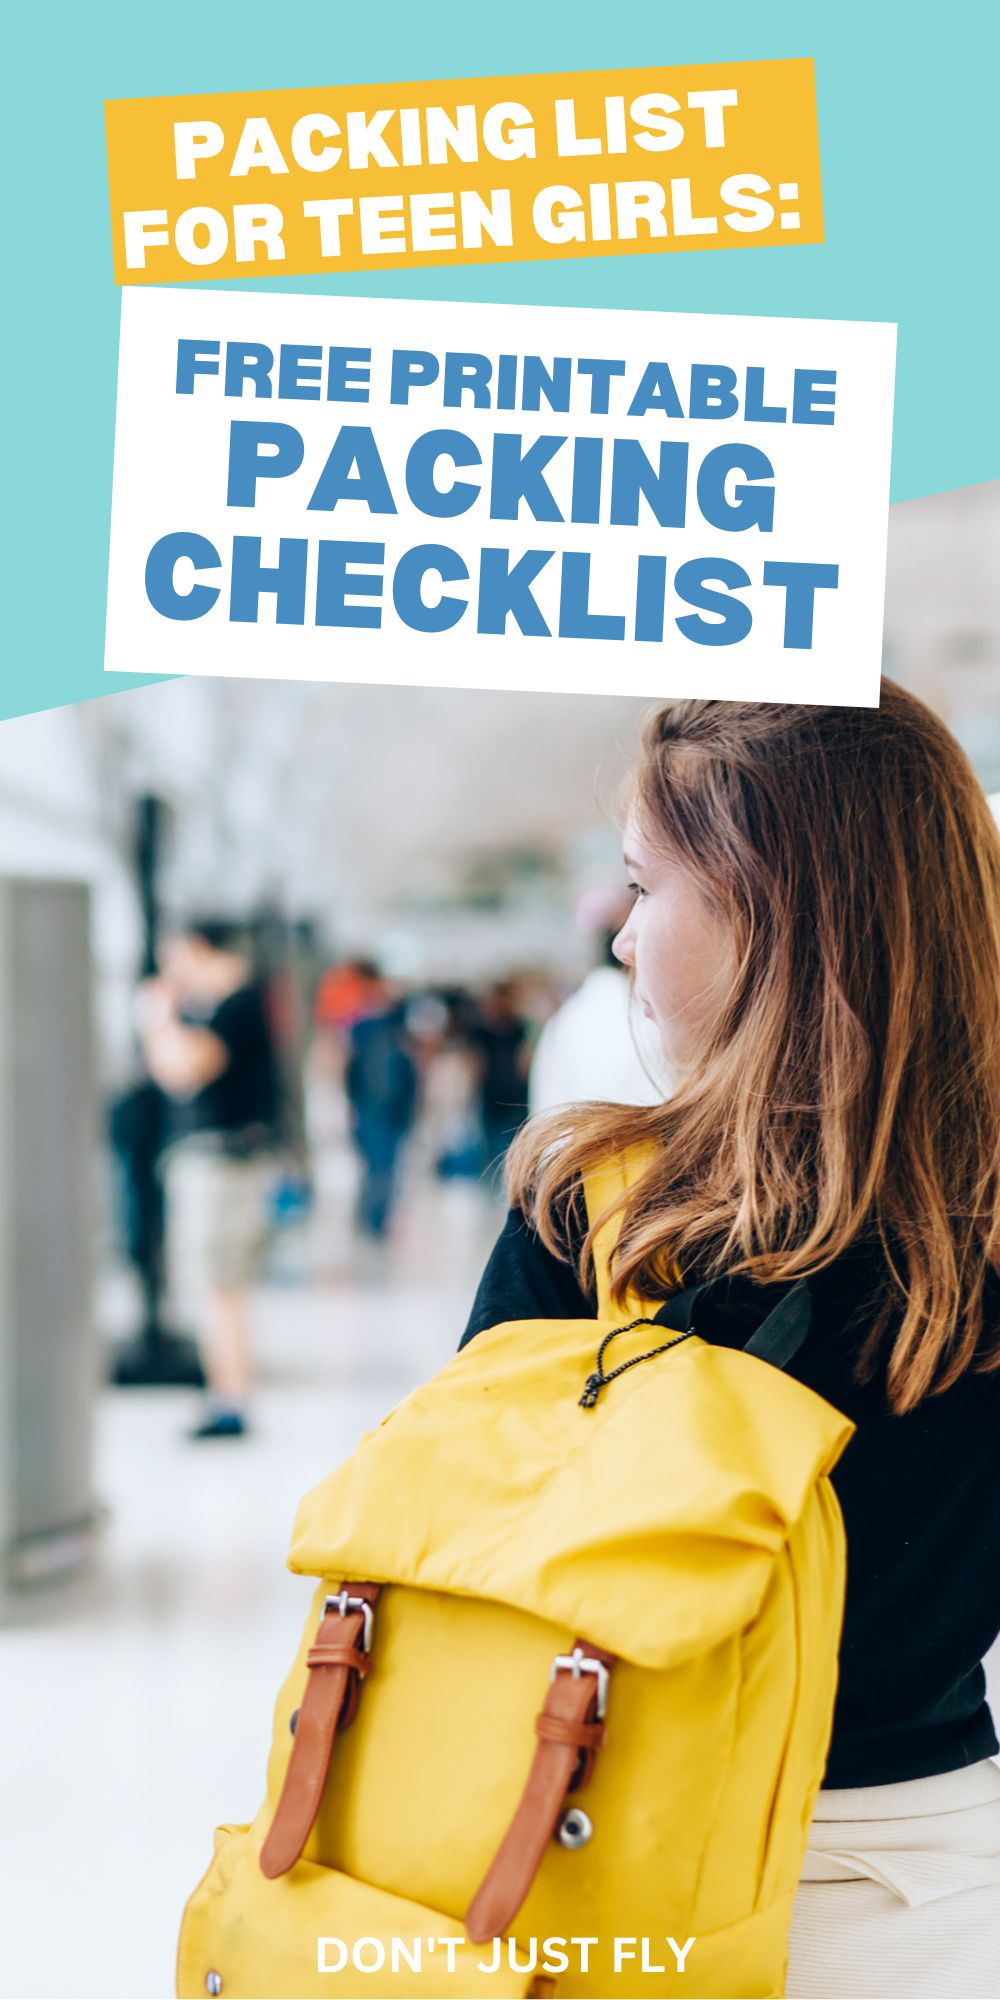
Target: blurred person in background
{"points": [[451, 1095], [382, 1089], [345, 991], [499, 1036], [592, 1048], [208, 1045]]}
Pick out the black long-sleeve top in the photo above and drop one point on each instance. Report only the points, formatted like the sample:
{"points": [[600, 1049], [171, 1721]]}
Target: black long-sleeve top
{"points": [[920, 1496]]}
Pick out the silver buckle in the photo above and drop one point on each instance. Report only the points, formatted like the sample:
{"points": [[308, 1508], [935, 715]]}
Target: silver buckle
{"points": [[343, 1603], [578, 1662]]}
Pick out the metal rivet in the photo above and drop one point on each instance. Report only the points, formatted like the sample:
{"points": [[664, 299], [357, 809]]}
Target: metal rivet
{"points": [[293, 1721], [213, 1982], [574, 1829]]}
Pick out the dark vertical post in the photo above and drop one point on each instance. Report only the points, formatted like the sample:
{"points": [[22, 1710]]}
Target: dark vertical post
{"points": [[156, 1357]]}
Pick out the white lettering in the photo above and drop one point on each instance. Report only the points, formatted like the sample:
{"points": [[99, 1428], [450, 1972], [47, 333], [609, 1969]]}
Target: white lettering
{"points": [[258, 147], [508, 133], [713, 103], [217, 237], [680, 1951], [143, 226], [383, 225], [322, 1954], [686, 223], [312, 159], [640, 201], [194, 141], [257, 225], [446, 135], [568, 143], [328, 214], [747, 214], [432, 222], [557, 213], [365, 144], [480, 217], [662, 132]]}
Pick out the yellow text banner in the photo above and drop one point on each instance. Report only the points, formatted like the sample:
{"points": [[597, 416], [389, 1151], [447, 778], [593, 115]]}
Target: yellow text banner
{"points": [[482, 171]]}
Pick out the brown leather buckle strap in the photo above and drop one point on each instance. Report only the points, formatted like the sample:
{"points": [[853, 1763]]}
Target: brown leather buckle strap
{"points": [[337, 1663], [570, 1731]]}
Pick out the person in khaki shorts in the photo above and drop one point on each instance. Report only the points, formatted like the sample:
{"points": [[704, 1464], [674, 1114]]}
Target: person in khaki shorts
{"points": [[208, 1045]]}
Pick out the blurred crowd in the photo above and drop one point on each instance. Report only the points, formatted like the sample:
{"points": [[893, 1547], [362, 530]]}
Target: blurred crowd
{"points": [[242, 1029]]}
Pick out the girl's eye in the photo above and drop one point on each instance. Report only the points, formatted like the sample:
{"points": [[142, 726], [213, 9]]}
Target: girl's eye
{"points": [[636, 888]]}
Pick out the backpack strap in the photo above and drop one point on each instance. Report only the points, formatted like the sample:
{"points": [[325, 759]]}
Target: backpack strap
{"points": [[781, 1334], [338, 1662], [602, 1186], [570, 1731], [776, 1340]]}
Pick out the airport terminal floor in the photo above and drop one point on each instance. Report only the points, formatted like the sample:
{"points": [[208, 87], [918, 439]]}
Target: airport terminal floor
{"points": [[139, 1701]]}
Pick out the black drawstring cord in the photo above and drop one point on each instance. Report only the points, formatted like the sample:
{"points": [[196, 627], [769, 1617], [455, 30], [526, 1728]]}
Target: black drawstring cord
{"points": [[599, 1381]]}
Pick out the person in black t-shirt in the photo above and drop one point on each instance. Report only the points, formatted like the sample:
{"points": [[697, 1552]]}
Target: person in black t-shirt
{"points": [[208, 1045], [815, 937]]}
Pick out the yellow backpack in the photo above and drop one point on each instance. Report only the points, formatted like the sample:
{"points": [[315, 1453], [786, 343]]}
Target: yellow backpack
{"points": [[562, 1705]]}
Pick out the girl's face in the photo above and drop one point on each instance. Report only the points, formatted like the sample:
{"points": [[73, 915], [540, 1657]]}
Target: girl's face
{"points": [[680, 949]]}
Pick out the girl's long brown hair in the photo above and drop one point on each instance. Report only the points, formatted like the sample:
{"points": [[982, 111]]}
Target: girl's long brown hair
{"points": [[851, 1091]]}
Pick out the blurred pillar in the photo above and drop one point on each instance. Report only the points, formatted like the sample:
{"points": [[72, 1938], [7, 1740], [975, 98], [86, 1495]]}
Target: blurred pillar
{"points": [[48, 1141]]}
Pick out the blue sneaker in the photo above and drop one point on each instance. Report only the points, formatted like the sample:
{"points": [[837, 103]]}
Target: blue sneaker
{"points": [[221, 1424]]}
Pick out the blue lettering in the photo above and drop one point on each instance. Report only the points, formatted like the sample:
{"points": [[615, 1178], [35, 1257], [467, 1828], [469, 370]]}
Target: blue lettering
{"points": [[248, 363], [751, 506], [811, 403], [251, 581], [353, 446], [755, 410], [634, 477], [588, 459], [412, 368], [441, 501], [300, 373], [335, 579], [407, 596], [160, 586], [713, 392], [734, 619], [348, 375], [656, 391], [195, 357], [576, 620], [505, 592], [601, 373], [466, 371], [260, 451], [517, 476], [650, 591], [554, 383], [800, 582]]}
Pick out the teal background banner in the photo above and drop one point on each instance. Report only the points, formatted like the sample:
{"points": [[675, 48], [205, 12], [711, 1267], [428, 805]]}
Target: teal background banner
{"points": [[907, 119]]}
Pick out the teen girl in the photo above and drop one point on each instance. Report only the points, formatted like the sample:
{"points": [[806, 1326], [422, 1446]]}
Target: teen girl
{"points": [[816, 936]]}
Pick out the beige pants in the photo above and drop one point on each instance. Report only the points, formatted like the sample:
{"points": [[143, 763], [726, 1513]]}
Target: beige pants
{"points": [[900, 1892], [216, 1219]]}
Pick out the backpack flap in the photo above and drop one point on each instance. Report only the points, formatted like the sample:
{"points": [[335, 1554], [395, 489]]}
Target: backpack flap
{"points": [[650, 1522]]}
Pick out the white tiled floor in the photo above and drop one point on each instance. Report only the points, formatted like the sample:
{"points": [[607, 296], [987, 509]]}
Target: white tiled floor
{"points": [[137, 1705]]}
